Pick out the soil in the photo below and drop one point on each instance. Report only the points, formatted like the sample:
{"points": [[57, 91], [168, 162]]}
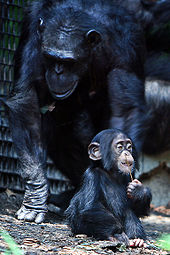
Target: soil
{"points": [[54, 236]]}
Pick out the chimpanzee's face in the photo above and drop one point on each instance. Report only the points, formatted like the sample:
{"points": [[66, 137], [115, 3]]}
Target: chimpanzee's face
{"points": [[64, 61], [65, 52], [122, 149], [115, 151]]}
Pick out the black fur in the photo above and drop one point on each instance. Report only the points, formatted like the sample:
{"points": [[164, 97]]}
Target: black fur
{"points": [[92, 50], [155, 19], [141, 9], [157, 85], [101, 207], [157, 93], [158, 32]]}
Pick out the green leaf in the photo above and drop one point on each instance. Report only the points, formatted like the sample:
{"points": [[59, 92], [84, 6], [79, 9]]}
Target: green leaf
{"points": [[13, 248], [44, 109], [164, 242]]}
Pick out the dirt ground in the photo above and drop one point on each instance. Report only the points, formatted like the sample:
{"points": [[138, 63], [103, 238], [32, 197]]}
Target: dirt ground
{"points": [[54, 236]]}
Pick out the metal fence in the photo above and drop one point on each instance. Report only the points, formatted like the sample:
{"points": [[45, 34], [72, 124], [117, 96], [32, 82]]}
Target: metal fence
{"points": [[11, 13]]}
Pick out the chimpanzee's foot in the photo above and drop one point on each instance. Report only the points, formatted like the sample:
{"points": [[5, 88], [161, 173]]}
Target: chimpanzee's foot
{"points": [[137, 243], [30, 215], [123, 238], [34, 206]]}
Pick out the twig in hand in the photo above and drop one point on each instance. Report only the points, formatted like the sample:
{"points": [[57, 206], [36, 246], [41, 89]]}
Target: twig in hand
{"points": [[131, 175]]}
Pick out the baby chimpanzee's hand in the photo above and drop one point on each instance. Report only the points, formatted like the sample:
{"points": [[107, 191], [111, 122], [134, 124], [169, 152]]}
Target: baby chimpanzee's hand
{"points": [[133, 187], [137, 243]]}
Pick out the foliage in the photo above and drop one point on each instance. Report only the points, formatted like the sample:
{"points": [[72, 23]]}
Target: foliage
{"points": [[164, 242], [13, 248]]}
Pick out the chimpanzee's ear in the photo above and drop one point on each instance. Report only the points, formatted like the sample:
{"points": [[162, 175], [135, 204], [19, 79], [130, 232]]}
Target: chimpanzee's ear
{"points": [[93, 37], [94, 151]]}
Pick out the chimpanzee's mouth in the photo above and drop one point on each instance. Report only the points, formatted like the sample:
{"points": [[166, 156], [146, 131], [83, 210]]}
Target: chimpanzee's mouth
{"points": [[65, 94], [129, 164], [126, 166]]}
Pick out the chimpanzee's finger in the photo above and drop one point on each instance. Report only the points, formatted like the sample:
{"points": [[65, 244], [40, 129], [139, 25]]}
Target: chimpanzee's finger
{"points": [[137, 181], [40, 218]]}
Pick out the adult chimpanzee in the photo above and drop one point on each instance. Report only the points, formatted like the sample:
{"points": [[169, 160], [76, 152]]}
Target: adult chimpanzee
{"points": [[157, 71], [157, 94], [154, 17], [109, 201], [78, 69]]}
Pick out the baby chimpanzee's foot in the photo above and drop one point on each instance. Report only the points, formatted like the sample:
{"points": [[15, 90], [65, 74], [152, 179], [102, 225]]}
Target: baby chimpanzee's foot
{"points": [[122, 238]]}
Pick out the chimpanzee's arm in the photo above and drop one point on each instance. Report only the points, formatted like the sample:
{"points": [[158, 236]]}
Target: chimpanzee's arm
{"points": [[86, 213], [25, 123], [140, 198], [128, 113]]}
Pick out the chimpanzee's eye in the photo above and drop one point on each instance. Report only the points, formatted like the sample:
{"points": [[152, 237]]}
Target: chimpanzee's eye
{"points": [[119, 146], [129, 146]]}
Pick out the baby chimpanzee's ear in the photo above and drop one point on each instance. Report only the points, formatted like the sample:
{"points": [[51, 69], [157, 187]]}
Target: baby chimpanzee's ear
{"points": [[94, 151]]}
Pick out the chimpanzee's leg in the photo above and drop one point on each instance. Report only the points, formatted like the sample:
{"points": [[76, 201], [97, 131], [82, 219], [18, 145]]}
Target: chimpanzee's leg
{"points": [[25, 123], [133, 226], [96, 222]]}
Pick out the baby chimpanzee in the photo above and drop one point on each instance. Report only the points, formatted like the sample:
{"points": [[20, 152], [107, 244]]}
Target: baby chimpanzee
{"points": [[109, 201]]}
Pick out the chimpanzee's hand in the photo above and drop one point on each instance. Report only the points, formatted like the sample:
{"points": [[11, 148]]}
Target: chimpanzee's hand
{"points": [[34, 206], [137, 243], [133, 188]]}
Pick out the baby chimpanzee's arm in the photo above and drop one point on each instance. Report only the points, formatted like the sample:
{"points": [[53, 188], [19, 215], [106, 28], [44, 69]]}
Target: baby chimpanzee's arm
{"points": [[140, 197]]}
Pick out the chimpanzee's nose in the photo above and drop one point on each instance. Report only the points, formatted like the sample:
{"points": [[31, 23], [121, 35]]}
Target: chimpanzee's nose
{"points": [[59, 68]]}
